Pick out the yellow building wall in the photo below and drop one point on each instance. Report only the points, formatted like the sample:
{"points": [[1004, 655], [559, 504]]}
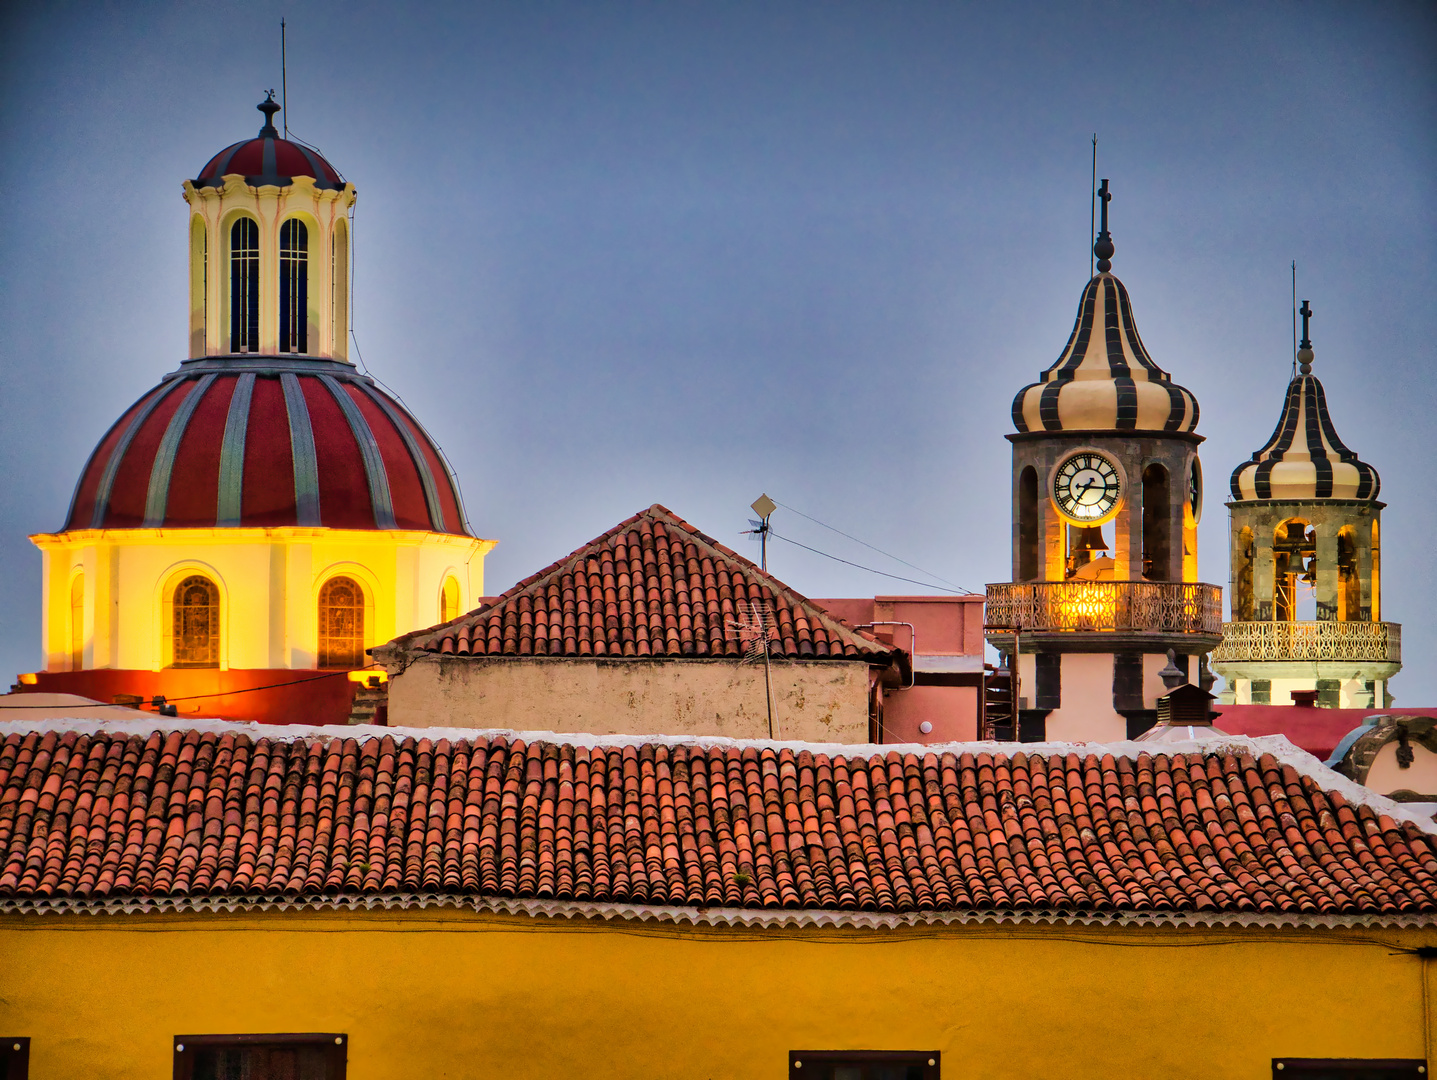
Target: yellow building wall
{"points": [[269, 582], [479, 995], [812, 701]]}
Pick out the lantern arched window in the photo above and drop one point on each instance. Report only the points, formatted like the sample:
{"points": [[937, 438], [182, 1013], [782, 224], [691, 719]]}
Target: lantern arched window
{"points": [[293, 287], [244, 286]]}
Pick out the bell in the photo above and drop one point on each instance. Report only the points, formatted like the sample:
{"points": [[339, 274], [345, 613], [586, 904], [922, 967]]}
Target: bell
{"points": [[1309, 571], [1089, 538]]}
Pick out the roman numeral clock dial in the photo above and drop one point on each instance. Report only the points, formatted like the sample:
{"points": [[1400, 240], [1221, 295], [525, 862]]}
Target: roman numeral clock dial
{"points": [[1087, 487]]}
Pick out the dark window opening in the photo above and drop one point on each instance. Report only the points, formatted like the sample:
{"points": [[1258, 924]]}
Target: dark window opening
{"points": [[1347, 1068], [1157, 524], [1028, 524], [341, 624], [1294, 550], [864, 1065], [293, 287], [197, 623], [244, 286], [14, 1057], [260, 1057]]}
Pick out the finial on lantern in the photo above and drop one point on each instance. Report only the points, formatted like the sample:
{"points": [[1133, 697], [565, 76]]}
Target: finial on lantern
{"points": [[1104, 249], [1304, 351], [269, 107]]}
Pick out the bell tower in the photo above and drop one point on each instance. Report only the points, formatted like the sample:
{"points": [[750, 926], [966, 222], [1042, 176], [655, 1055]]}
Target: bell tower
{"points": [[1306, 599], [1107, 493]]}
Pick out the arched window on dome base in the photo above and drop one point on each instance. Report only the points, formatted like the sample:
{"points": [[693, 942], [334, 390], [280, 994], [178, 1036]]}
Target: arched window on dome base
{"points": [[449, 600], [244, 286], [195, 624], [293, 287], [341, 624]]}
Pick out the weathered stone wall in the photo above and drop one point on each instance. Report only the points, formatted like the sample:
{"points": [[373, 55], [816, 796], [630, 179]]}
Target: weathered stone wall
{"points": [[813, 701]]}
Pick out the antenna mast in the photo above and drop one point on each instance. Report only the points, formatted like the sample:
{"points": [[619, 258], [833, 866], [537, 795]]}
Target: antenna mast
{"points": [[1093, 208], [283, 81], [1294, 318]]}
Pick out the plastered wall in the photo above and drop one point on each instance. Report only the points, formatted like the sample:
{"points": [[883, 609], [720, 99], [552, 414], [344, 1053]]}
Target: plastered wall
{"points": [[439, 994], [813, 701]]}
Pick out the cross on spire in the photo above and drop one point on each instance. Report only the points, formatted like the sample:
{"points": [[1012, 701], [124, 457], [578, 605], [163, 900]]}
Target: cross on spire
{"points": [[1104, 248], [1304, 352]]}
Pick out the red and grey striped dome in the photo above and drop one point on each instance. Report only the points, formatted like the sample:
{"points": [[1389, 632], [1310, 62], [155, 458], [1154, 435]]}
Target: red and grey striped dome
{"points": [[1305, 459], [1105, 380], [269, 159], [266, 443]]}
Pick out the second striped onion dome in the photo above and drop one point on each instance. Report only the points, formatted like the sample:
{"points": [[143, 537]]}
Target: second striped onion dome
{"points": [[1305, 459], [1105, 380]]}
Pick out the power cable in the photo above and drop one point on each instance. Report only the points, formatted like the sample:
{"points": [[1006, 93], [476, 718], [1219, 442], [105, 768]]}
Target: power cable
{"points": [[886, 555], [860, 566], [194, 697]]}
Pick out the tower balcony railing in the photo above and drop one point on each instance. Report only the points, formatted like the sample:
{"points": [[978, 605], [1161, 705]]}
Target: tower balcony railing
{"points": [[1274, 642], [1151, 607]]}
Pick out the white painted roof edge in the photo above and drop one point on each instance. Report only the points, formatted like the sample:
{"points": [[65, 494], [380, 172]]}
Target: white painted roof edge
{"points": [[1276, 745], [738, 918]]}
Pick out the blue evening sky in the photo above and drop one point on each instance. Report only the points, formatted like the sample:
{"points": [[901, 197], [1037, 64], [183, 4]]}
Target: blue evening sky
{"points": [[614, 254]]}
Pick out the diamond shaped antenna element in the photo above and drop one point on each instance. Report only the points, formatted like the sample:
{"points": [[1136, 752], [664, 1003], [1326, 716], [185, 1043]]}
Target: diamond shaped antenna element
{"points": [[763, 506]]}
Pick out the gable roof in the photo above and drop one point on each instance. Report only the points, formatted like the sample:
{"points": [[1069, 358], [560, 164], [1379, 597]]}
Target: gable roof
{"points": [[652, 586], [166, 818]]}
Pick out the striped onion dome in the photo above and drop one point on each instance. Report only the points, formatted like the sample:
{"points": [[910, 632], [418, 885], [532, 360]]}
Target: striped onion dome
{"points": [[266, 442], [1305, 459], [268, 159], [1105, 380]]}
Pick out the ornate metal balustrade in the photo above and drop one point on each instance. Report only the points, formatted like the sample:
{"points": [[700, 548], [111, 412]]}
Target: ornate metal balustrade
{"points": [[1311, 641], [1159, 607]]}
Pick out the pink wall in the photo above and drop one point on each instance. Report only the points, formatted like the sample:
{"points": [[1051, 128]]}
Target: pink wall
{"points": [[944, 625], [952, 710], [1318, 731]]}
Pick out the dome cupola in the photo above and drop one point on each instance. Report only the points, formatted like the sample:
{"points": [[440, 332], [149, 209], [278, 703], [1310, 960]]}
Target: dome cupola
{"points": [[268, 159], [1305, 459], [1104, 380]]}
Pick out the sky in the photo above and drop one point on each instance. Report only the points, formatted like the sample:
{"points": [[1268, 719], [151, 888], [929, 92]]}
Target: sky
{"points": [[624, 253]]}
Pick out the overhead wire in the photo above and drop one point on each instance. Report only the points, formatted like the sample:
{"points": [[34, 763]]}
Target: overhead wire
{"points": [[885, 554], [198, 697], [860, 566]]}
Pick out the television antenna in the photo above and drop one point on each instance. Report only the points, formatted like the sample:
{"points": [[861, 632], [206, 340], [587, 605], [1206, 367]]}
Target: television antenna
{"points": [[763, 506], [754, 625]]}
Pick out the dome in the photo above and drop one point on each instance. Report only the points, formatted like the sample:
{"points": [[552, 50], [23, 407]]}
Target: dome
{"points": [[269, 159], [1105, 381], [1305, 459], [227, 443]]}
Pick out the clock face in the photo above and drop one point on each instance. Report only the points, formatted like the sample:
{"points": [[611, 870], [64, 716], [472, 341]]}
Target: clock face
{"points": [[1087, 487], [1195, 490]]}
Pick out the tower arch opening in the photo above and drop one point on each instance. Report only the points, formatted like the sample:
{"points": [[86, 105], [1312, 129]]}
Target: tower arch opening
{"points": [[1157, 524], [1243, 558], [1028, 524]]}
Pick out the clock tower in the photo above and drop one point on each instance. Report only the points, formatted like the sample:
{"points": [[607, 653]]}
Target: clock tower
{"points": [[1107, 493]]}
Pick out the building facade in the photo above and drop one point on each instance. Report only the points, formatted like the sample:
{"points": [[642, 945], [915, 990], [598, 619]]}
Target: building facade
{"points": [[1107, 494], [267, 508], [1305, 556], [371, 904]]}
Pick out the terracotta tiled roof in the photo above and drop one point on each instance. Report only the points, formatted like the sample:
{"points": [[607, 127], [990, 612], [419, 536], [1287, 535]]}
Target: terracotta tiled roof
{"points": [[651, 586], [193, 814]]}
